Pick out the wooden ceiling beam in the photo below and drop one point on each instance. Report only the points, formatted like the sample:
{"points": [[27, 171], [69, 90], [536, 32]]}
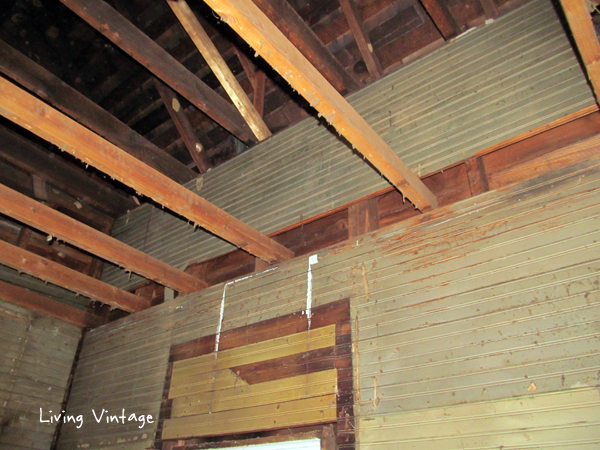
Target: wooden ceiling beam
{"points": [[255, 28], [289, 22], [51, 272], [50, 124], [45, 219], [32, 76], [46, 306], [134, 42], [30, 157], [213, 58], [442, 18], [361, 36], [183, 125], [582, 29]]}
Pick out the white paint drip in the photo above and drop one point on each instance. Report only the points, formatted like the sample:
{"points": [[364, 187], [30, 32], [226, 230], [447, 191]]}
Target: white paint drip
{"points": [[313, 259], [222, 310]]}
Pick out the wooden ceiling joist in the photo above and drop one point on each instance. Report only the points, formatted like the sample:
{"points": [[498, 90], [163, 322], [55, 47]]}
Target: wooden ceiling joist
{"points": [[183, 125], [134, 42], [44, 269], [582, 28], [45, 219], [361, 36], [50, 124], [264, 37], [213, 58], [28, 156], [442, 18], [68, 100], [46, 306], [289, 22]]}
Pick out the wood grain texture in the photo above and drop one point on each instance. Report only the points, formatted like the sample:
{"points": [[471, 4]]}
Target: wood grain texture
{"points": [[45, 306], [286, 19], [50, 124], [52, 272], [361, 36], [220, 68], [134, 42], [48, 220], [77, 106], [280, 415], [442, 18], [582, 28], [262, 35], [184, 127]]}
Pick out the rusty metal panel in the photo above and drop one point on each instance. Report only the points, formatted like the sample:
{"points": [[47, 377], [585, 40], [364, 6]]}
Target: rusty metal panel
{"points": [[35, 365], [494, 83], [469, 322]]}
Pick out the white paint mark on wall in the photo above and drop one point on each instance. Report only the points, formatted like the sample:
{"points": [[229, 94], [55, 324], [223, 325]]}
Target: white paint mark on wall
{"points": [[312, 260]]}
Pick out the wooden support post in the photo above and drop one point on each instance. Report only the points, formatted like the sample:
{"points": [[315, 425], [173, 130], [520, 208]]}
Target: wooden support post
{"points": [[294, 28], [262, 35], [134, 42], [219, 67], [478, 180], [44, 269], [39, 216], [489, 9], [583, 31], [45, 306], [63, 97], [48, 123], [361, 35], [259, 91], [363, 217], [183, 125], [442, 18]]}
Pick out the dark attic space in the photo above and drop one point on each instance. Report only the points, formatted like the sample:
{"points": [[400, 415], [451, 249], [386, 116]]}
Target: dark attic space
{"points": [[299, 224]]}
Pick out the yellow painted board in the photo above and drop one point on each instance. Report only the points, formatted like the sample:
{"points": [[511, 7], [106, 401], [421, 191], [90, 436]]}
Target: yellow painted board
{"points": [[259, 351], [205, 382], [279, 415], [294, 388]]}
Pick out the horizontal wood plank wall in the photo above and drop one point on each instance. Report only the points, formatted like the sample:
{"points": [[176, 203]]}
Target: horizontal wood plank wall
{"points": [[35, 365], [491, 299], [495, 83]]}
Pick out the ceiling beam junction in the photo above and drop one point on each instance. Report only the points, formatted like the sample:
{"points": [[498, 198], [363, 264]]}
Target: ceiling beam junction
{"points": [[213, 58], [59, 94], [57, 225], [144, 50], [244, 17], [50, 124]]}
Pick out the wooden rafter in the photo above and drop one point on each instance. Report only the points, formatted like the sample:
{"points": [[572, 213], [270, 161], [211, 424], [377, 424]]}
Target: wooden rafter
{"points": [[583, 31], [257, 78], [45, 219], [294, 28], [50, 124], [183, 125], [63, 97], [262, 35], [44, 269], [489, 8], [213, 58], [442, 18], [134, 42], [361, 36], [47, 306]]}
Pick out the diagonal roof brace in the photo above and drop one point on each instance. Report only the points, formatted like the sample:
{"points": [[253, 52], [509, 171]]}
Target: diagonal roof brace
{"points": [[244, 17]]}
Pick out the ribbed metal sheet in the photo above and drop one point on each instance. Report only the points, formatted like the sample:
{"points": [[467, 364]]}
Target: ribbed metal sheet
{"points": [[35, 364], [493, 299], [490, 85]]}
